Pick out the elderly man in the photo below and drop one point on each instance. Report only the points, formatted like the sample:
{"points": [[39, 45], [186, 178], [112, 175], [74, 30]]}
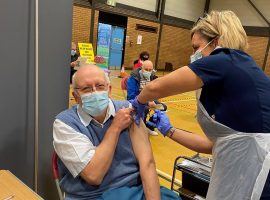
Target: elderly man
{"points": [[136, 82], [96, 149]]}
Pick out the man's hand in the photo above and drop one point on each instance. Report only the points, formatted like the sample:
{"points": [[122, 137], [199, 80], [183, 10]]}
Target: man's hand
{"points": [[161, 121], [123, 118], [139, 109]]}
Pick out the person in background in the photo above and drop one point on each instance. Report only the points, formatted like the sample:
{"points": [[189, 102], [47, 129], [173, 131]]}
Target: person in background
{"points": [[233, 108], [143, 57], [74, 58], [137, 80], [103, 154]]}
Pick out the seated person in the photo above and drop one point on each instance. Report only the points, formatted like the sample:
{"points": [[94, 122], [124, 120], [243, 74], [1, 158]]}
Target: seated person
{"points": [[100, 156], [136, 82], [143, 57], [73, 61]]}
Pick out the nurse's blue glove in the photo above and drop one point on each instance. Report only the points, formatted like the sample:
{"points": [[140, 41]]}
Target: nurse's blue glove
{"points": [[161, 121], [139, 110]]}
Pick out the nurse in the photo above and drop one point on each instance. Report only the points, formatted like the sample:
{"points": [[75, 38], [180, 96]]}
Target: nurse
{"points": [[233, 108]]}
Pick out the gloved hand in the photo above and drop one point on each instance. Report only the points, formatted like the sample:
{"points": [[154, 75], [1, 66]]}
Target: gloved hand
{"points": [[139, 109], [161, 121]]}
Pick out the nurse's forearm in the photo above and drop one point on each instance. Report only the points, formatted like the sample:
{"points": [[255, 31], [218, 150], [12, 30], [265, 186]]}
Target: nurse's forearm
{"points": [[150, 92], [176, 82], [192, 141]]}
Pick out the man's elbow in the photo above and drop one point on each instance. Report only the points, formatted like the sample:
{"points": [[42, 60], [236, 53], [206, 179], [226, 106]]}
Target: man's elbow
{"points": [[93, 179]]}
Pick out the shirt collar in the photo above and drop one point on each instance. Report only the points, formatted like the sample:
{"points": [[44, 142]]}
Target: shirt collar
{"points": [[86, 118]]}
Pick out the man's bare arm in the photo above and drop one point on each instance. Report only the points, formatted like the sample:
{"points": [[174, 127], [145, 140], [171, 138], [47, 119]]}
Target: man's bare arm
{"points": [[99, 165], [143, 152]]}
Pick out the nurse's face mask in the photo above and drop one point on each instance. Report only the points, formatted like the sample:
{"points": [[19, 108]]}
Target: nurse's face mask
{"points": [[198, 54]]}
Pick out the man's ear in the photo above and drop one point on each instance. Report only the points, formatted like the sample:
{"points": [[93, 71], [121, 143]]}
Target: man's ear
{"points": [[76, 97], [110, 91]]}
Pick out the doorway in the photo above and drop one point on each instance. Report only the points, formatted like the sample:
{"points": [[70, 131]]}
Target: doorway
{"points": [[110, 40]]}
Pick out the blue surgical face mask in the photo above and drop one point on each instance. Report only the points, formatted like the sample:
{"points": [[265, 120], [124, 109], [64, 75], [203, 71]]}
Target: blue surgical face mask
{"points": [[198, 54], [73, 52], [95, 103], [146, 74]]}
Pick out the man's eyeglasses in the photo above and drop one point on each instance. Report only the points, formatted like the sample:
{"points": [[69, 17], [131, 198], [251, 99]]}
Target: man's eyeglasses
{"points": [[88, 89]]}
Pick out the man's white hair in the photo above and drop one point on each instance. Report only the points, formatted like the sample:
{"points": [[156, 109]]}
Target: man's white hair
{"points": [[107, 78], [74, 83]]}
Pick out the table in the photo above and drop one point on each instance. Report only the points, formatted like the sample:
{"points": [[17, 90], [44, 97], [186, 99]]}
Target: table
{"points": [[11, 188]]}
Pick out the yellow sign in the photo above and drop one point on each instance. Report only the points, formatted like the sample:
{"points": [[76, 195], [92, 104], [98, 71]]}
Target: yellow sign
{"points": [[86, 51]]}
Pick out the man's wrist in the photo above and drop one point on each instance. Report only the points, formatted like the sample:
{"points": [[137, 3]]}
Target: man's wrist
{"points": [[170, 132], [115, 128]]}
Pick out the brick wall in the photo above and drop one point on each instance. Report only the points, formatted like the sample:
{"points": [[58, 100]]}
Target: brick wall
{"points": [[257, 48], [95, 32], [175, 47], [81, 24], [149, 41], [175, 42]]}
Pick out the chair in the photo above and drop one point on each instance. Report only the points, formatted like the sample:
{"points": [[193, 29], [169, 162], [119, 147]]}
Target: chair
{"points": [[124, 86], [56, 175], [168, 66]]}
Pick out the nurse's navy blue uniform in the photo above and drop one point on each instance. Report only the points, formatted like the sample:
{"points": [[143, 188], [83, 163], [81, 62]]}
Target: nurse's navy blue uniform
{"points": [[236, 93]]}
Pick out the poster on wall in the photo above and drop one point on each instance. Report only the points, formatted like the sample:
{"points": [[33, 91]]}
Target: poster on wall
{"points": [[103, 45], [139, 39], [86, 51]]}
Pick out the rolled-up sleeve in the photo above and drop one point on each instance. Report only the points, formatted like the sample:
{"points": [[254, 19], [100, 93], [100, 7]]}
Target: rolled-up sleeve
{"points": [[73, 148], [211, 69]]}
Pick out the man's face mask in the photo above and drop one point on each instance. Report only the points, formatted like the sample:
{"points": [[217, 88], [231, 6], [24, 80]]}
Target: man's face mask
{"points": [[95, 103], [146, 74], [73, 52], [198, 54]]}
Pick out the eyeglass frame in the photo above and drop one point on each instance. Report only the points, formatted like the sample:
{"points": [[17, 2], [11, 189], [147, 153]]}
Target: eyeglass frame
{"points": [[201, 18], [87, 89], [209, 38]]}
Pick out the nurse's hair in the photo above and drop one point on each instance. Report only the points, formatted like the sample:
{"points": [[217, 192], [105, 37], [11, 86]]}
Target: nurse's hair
{"points": [[225, 26]]}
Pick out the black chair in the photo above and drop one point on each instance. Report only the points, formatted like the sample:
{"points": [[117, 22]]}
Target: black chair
{"points": [[168, 66]]}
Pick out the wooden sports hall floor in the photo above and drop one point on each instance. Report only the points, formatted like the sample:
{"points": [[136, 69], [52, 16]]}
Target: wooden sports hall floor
{"points": [[181, 111]]}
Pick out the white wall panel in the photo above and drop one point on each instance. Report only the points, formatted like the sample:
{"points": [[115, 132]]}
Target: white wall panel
{"points": [[243, 9], [185, 9], [264, 7], [143, 4]]}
